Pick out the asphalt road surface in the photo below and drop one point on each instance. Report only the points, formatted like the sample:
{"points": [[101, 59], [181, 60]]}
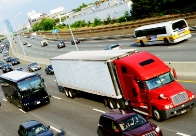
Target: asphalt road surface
{"points": [[80, 116]]}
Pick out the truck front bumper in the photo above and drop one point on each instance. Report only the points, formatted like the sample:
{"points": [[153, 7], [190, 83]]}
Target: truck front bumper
{"points": [[181, 109]]}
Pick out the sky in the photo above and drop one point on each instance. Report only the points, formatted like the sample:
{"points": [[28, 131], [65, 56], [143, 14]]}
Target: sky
{"points": [[11, 9]]}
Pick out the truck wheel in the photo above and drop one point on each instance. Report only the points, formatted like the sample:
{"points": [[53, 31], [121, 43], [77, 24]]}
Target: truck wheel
{"points": [[142, 43], [66, 92], [72, 94], [105, 102], [120, 104], [166, 42], [112, 104], [157, 115]]}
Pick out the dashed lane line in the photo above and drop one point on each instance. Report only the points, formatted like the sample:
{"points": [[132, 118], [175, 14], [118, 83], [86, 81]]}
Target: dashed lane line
{"points": [[181, 134], [57, 97], [4, 99], [22, 110], [99, 110], [55, 129], [175, 47]]}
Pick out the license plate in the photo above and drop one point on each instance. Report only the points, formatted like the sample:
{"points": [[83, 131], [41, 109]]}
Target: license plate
{"points": [[38, 102], [183, 111]]}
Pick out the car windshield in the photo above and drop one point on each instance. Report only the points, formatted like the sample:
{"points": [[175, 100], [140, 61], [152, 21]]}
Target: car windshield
{"points": [[6, 66], [33, 64], [30, 86], [14, 59], [131, 122], [159, 81], [36, 130]]}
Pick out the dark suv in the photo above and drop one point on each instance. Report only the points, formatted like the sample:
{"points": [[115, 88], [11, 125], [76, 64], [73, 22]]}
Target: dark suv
{"points": [[15, 61], [6, 68], [124, 123], [34, 128], [61, 44], [49, 70], [76, 40]]}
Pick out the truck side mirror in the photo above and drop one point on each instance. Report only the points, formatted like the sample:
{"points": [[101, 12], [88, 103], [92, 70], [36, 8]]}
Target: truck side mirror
{"points": [[174, 73]]}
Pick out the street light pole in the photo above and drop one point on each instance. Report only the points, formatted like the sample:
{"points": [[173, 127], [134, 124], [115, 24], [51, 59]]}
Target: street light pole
{"points": [[18, 36], [72, 34]]}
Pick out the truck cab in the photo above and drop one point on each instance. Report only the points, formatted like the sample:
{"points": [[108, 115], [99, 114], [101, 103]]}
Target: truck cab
{"points": [[150, 87]]}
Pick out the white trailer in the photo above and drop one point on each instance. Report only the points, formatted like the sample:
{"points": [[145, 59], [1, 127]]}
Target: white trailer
{"points": [[88, 71]]}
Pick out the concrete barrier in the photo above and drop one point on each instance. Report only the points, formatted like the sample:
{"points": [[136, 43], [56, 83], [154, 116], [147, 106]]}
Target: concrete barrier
{"points": [[183, 68]]}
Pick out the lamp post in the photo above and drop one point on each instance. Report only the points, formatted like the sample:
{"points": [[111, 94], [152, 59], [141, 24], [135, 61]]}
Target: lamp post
{"points": [[17, 34]]}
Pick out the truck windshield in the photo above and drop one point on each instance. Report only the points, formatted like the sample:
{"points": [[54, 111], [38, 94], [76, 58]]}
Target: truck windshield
{"points": [[159, 81], [30, 86], [132, 122]]}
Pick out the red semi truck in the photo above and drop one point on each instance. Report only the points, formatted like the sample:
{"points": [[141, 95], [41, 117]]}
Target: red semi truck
{"points": [[124, 78]]}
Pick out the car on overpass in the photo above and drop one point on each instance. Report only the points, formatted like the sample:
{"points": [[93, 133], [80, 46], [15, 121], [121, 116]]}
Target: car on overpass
{"points": [[77, 41]]}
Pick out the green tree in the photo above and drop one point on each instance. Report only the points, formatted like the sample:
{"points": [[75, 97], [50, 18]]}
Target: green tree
{"points": [[47, 24], [80, 7], [97, 22]]}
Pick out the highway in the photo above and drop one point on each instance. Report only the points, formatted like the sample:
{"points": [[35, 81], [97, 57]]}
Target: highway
{"points": [[181, 52], [80, 116]]}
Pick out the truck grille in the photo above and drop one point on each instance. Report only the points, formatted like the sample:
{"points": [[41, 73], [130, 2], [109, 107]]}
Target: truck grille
{"points": [[179, 98], [153, 133]]}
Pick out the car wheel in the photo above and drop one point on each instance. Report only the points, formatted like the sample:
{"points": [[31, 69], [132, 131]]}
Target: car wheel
{"points": [[166, 42]]}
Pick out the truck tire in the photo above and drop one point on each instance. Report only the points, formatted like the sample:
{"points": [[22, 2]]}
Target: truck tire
{"points": [[66, 92], [120, 104], [111, 104], [105, 102], [156, 114], [72, 94]]}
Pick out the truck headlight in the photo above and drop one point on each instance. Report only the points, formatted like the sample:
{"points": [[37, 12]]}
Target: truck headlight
{"points": [[166, 107], [193, 96], [157, 129]]}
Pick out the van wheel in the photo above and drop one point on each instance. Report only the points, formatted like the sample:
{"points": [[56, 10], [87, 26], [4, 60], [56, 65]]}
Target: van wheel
{"points": [[120, 104], [142, 43], [157, 115], [72, 94], [111, 104], [166, 42], [66, 92]]}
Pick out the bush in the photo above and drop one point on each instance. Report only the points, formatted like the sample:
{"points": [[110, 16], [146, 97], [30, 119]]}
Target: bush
{"points": [[97, 22]]}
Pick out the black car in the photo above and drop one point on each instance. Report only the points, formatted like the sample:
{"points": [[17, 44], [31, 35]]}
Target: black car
{"points": [[6, 68], [34, 128], [49, 70], [34, 66], [19, 69], [76, 40], [15, 61], [8, 59], [61, 44], [1, 64]]}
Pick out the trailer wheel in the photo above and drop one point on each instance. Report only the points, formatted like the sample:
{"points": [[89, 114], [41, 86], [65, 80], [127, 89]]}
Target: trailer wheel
{"points": [[66, 92], [72, 94], [120, 104], [112, 104], [166, 42], [157, 115], [105, 102]]}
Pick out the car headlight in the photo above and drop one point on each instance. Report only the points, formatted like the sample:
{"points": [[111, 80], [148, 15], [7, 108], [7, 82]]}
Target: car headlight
{"points": [[157, 129]]}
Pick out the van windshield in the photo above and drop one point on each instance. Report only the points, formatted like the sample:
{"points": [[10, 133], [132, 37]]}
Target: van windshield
{"points": [[31, 86], [159, 81], [132, 122]]}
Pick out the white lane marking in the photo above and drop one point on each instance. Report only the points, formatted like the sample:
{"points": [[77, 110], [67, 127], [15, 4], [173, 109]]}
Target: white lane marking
{"points": [[57, 97], [55, 129], [100, 45], [174, 47], [84, 45], [52, 49], [194, 38], [41, 53], [54, 80], [4, 99], [35, 52], [99, 110], [181, 134], [48, 54], [22, 110]]}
